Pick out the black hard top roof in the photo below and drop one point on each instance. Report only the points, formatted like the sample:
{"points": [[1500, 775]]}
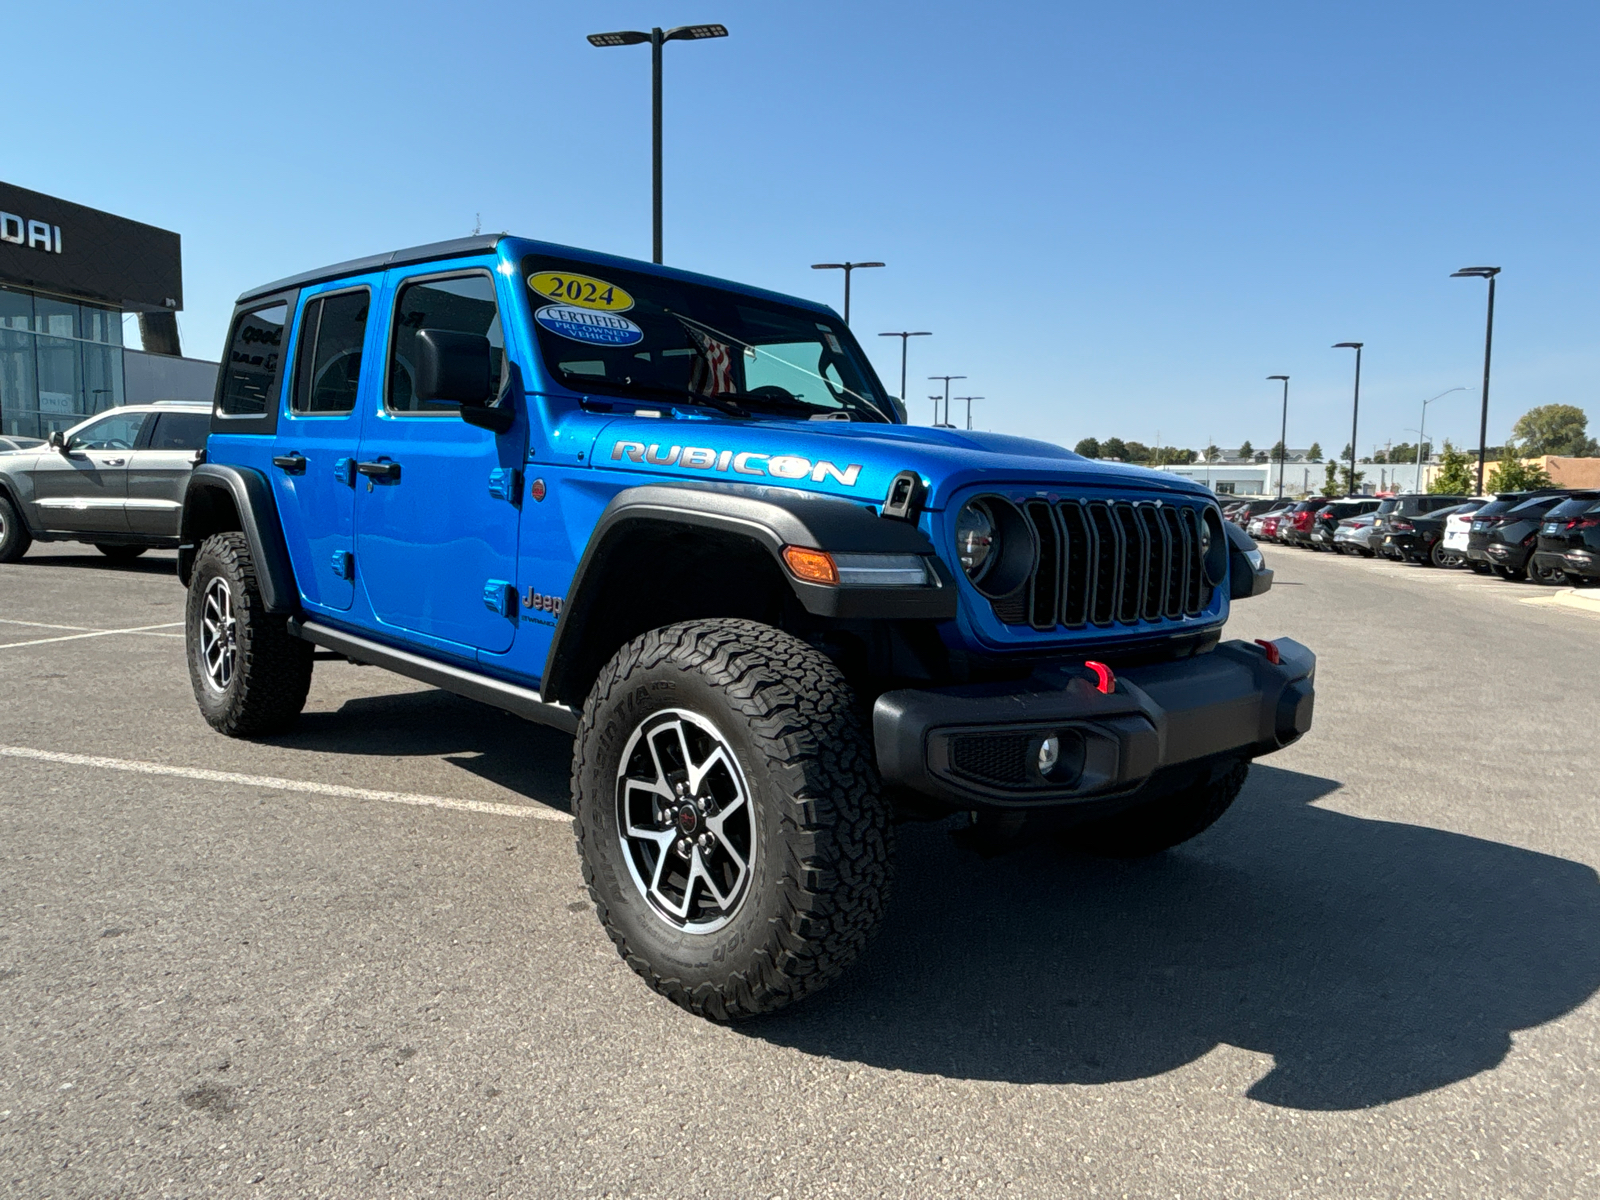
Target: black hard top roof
{"points": [[481, 244]]}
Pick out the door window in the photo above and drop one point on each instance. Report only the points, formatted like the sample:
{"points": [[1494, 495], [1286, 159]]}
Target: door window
{"points": [[328, 361], [180, 431], [464, 304], [116, 432]]}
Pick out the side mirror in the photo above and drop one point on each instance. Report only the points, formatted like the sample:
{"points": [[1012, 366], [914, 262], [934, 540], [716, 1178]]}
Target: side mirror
{"points": [[58, 441], [455, 368]]}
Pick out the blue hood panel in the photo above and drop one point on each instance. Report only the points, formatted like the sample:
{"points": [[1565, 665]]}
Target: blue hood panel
{"points": [[857, 461]]}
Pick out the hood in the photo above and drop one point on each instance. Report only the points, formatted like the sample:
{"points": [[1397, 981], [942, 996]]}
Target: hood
{"points": [[857, 461]]}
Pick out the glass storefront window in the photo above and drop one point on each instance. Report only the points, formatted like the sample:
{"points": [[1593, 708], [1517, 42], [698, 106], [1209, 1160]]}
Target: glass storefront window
{"points": [[56, 317], [101, 324], [18, 391], [16, 309]]}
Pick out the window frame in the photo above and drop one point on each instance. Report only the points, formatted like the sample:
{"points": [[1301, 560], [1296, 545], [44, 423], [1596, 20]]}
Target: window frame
{"points": [[265, 422], [307, 300], [400, 287]]}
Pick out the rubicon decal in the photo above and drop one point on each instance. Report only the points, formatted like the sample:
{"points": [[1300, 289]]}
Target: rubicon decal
{"points": [[737, 462]]}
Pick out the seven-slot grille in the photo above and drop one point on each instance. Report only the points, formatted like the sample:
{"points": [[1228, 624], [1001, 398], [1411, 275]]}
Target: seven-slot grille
{"points": [[1106, 562]]}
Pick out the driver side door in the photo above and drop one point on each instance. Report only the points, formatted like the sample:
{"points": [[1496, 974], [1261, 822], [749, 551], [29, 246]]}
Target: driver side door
{"points": [[83, 488]]}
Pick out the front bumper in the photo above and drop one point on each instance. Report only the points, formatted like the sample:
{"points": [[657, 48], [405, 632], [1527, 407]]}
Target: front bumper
{"points": [[977, 745]]}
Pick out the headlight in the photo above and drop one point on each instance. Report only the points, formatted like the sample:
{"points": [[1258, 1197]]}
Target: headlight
{"points": [[995, 545], [974, 538]]}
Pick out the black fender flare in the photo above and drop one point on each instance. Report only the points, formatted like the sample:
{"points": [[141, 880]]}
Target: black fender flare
{"points": [[771, 518], [1245, 579], [214, 489]]}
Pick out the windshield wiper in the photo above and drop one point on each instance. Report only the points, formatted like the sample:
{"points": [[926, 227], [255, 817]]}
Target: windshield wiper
{"points": [[682, 395]]}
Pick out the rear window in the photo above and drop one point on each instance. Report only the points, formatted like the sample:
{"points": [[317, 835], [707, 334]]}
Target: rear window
{"points": [[180, 431], [255, 354], [1537, 506], [1577, 506]]}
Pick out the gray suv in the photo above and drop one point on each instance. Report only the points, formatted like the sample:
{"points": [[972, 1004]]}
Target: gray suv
{"points": [[115, 480]]}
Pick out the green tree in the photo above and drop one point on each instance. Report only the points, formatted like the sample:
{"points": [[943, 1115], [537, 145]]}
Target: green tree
{"points": [[1089, 448], [1246, 450], [1114, 448], [1138, 452], [1315, 453], [1406, 453], [1455, 476], [1278, 452], [1330, 480], [1511, 474], [1213, 453], [1554, 429], [1344, 455]]}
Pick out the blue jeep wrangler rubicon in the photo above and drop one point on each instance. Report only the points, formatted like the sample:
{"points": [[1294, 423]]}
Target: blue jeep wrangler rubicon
{"points": [[681, 519]]}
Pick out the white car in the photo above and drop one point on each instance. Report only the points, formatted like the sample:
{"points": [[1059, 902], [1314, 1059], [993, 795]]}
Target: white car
{"points": [[1456, 528]]}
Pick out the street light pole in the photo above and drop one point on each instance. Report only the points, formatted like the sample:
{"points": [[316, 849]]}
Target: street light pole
{"points": [[969, 400], [1421, 436], [846, 267], [904, 335], [1283, 433], [1488, 346], [935, 400], [657, 38], [1355, 410], [947, 379]]}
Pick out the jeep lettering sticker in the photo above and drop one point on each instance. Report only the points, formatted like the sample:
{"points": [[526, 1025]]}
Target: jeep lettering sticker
{"points": [[583, 291], [743, 462], [587, 325]]}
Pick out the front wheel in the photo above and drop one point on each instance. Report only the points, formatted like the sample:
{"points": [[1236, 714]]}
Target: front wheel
{"points": [[729, 817], [249, 673], [1167, 821]]}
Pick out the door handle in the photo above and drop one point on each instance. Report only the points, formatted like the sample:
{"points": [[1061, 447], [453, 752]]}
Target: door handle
{"points": [[293, 464], [115, 462], [382, 469]]}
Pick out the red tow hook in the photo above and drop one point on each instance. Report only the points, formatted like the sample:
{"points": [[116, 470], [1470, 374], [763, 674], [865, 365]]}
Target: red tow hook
{"points": [[1270, 649], [1106, 682]]}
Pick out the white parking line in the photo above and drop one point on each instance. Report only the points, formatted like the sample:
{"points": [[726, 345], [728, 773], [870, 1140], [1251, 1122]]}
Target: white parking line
{"points": [[42, 625], [73, 637], [535, 812]]}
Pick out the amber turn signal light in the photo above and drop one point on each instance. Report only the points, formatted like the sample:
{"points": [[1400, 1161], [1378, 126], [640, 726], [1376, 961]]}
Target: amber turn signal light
{"points": [[814, 566]]}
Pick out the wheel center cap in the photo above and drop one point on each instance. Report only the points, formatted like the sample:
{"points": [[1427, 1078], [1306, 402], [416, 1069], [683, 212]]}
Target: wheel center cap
{"points": [[688, 819]]}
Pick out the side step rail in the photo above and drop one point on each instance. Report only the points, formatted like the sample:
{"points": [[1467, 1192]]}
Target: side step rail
{"points": [[524, 702]]}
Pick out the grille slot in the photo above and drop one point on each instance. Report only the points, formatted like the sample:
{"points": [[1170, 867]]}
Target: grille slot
{"points": [[1108, 562], [991, 757]]}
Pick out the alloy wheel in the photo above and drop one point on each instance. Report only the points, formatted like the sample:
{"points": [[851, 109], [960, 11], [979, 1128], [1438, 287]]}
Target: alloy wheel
{"points": [[219, 644], [686, 821]]}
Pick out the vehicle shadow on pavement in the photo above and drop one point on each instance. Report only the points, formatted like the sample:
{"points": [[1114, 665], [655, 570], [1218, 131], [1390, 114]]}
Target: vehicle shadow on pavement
{"points": [[94, 560], [1372, 960], [532, 760]]}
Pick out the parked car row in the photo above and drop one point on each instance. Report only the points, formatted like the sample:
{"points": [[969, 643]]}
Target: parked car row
{"points": [[1546, 535]]}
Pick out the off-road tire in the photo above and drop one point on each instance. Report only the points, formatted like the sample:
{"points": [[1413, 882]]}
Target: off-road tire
{"points": [[820, 874], [267, 686], [1166, 821], [14, 536], [120, 554]]}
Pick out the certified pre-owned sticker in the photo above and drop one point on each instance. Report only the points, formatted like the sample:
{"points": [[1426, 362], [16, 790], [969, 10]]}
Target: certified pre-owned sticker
{"points": [[581, 290], [587, 325]]}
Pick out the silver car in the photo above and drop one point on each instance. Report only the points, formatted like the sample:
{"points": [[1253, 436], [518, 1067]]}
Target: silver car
{"points": [[1353, 535], [115, 480]]}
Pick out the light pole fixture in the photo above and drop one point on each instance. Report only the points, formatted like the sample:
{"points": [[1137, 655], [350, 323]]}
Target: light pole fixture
{"points": [[947, 379], [657, 38], [1488, 345], [846, 267], [1283, 433], [904, 336], [969, 400], [935, 400], [1422, 437], [1355, 410]]}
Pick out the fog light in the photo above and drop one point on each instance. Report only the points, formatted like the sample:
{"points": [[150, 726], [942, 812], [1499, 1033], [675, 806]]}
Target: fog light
{"points": [[1049, 755]]}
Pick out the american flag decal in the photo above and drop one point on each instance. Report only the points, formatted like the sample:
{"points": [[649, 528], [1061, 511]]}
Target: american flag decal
{"points": [[713, 369]]}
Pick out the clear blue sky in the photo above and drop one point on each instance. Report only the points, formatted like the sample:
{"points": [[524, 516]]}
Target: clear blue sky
{"points": [[1116, 219]]}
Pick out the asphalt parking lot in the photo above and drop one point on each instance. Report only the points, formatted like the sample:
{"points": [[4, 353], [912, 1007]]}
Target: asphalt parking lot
{"points": [[357, 960]]}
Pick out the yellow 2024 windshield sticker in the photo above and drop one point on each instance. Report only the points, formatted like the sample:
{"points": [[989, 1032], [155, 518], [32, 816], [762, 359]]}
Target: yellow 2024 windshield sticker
{"points": [[581, 291]]}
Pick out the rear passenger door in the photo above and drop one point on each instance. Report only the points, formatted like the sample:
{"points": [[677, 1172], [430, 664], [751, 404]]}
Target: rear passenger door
{"points": [[158, 470], [437, 527], [313, 459]]}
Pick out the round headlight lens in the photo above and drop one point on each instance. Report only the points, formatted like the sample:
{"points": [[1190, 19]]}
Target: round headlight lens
{"points": [[975, 539]]}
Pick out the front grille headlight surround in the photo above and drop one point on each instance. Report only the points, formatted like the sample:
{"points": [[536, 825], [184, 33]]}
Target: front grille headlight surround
{"points": [[995, 545], [1214, 547]]}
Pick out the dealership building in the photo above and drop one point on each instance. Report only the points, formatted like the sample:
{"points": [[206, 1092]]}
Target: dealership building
{"points": [[67, 276]]}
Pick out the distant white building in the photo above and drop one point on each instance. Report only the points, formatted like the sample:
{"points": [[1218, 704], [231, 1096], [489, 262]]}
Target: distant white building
{"points": [[1299, 478]]}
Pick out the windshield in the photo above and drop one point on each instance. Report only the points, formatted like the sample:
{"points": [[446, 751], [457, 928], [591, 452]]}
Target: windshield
{"points": [[660, 341]]}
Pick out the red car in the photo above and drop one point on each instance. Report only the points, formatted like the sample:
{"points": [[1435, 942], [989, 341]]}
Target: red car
{"points": [[1269, 527]]}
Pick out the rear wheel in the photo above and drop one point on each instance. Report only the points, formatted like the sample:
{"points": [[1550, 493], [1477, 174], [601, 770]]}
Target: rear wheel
{"points": [[1166, 821], [14, 536], [729, 817], [120, 554], [249, 673], [1510, 573], [1548, 576]]}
